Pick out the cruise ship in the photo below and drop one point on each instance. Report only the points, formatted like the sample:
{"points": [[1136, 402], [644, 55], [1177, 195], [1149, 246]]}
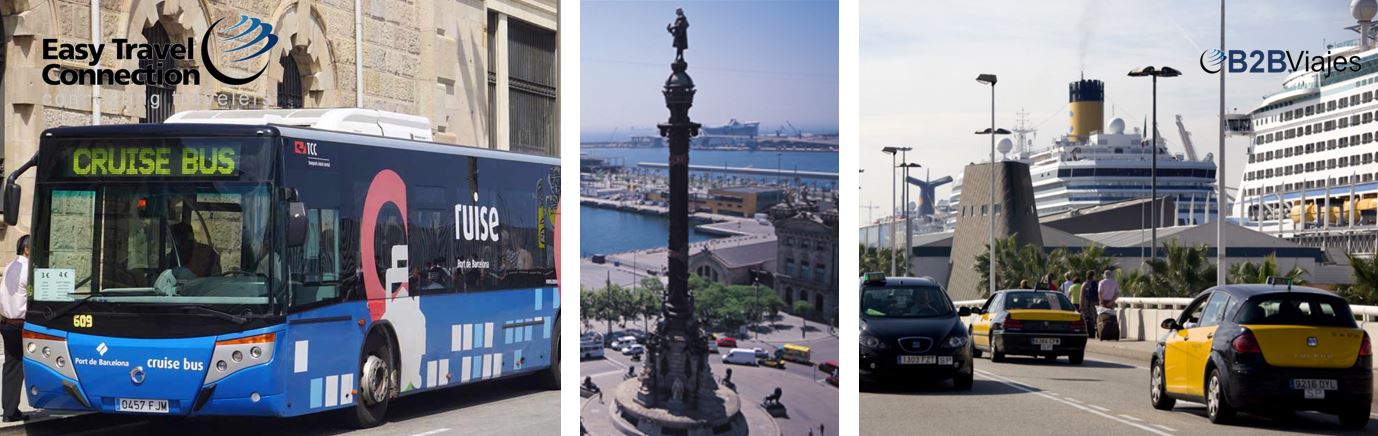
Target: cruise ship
{"points": [[1310, 177], [1094, 165]]}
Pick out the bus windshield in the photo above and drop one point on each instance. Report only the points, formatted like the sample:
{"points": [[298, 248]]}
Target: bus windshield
{"points": [[179, 242]]}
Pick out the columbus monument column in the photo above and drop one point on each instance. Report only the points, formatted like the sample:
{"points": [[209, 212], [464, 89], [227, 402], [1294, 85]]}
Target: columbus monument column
{"points": [[676, 392]]}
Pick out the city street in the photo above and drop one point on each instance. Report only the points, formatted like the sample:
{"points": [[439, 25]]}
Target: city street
{"points": [[807, 395], [1105, 395], [516, 406]]}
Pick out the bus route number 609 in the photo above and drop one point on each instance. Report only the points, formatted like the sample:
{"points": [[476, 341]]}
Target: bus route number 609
{"points": [[82, 321]]}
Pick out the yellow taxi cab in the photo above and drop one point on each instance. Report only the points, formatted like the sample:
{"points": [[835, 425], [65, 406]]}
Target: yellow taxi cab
{"points": [[1029, 322], [1265, 347]]}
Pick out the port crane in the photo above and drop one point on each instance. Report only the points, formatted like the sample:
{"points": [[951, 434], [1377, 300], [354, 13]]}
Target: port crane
{"points": [[1186, 138]]}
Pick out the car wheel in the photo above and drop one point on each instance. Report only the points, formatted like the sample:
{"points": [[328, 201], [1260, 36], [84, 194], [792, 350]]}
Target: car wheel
{"points": [[963, 382], [995, 354], [1356, 417], [1157, 388], [1217, 407], [1076, 358]]}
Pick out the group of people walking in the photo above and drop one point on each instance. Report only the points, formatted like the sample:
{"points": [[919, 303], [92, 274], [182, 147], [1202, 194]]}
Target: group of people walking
{"points": [[1093, 293]]}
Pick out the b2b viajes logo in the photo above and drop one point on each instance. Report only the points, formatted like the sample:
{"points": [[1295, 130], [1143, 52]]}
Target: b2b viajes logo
{"points": [[250, 33], [1275, 61]]}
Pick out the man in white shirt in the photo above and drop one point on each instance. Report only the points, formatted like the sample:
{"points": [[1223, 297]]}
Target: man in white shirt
{"points": [[14, 301], [1109, 290]]}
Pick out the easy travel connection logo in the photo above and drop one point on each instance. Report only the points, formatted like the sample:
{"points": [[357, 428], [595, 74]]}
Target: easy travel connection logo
{"points": [[1275, 61], [255, 33]]}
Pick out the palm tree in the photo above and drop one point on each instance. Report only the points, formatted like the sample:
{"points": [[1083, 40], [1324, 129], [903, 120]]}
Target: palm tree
{"points": [[1090, 258], [1365, 288], [1013, 264], [1248, 272], [878, 258], [1183, 271]]}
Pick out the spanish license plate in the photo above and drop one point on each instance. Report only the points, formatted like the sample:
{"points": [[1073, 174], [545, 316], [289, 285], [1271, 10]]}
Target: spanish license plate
{"points": [[918, 360], [142, 406], [1046, 344], [1315, 384]]}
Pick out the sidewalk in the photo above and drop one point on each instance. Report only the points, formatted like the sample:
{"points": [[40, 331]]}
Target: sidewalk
{"points": [[1140, 352]]}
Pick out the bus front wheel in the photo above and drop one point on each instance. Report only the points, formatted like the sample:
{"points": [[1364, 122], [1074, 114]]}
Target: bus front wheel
{"points": [[375, 382]]}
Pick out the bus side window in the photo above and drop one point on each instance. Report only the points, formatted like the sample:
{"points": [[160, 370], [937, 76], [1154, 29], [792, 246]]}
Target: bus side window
{"points": [[316, 276]]}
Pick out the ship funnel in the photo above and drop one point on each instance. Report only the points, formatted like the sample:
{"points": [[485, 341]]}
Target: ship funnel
{"points": [[1087, 100]]}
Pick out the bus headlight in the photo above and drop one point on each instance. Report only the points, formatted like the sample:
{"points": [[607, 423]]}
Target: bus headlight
{"points": [[49, 351], [229, 355]]}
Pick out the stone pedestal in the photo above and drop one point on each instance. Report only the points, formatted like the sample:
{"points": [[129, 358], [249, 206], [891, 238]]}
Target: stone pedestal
{"points": [[718, 414]]}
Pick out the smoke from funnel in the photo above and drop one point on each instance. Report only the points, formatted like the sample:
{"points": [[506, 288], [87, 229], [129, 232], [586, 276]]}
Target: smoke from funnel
{"points": [[1090, 18]]}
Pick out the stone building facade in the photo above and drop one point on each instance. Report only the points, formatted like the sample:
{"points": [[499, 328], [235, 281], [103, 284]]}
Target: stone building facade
{"points": [[1012, 208], [807, 256], [485, 72]]}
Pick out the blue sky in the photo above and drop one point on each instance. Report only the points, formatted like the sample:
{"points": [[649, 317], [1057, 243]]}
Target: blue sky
{"points": [[767, 61], [919, 60]]}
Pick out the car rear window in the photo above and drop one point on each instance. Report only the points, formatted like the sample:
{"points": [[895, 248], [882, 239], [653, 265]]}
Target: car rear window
{"points": [[1037, 300], [1296, 309], [905, 302]]}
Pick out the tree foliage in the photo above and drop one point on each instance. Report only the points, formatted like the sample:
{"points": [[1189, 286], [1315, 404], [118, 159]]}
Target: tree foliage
{"points": [[729, 307], [875, 259], [1364, 291], [1014, 263], [1182, 271], [1249, 272]]}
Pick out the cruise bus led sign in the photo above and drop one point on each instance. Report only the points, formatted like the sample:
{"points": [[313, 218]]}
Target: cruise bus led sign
{"points": [[152, 161]]}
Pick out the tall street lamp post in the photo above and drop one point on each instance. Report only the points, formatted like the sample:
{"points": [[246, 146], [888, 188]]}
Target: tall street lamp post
{"points": [[893, 151], [1155, 73], [908, 221], [989, 79]]}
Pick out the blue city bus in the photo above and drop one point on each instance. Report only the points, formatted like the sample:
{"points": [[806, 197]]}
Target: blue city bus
{"points": [[275, 270]]}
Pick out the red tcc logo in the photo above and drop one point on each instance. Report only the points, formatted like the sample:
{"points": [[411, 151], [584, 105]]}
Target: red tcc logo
{"points": [[299, 147]]}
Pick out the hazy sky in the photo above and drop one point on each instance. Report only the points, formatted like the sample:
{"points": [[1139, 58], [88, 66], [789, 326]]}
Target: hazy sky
{"points": [[919, 61], [767, 61]]}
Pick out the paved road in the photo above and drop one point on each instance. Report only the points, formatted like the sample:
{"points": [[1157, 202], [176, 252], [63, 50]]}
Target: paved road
{"points": [[810, 400], [1106, 395], [516, 406]]}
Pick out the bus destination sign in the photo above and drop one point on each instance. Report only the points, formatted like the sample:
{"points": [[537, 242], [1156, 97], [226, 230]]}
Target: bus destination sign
{"points": [[153, 161]]}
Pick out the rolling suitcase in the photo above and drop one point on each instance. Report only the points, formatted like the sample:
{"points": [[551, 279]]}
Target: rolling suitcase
{"points": [[1107, 327]]}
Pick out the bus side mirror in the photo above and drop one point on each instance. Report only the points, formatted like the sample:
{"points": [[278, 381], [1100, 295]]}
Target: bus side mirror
{"points": [[12, 195], [296, 224], [963, 311]]}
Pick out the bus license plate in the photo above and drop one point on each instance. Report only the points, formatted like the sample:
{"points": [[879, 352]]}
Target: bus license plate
{"points": [[1315, 384], [142, 406]]}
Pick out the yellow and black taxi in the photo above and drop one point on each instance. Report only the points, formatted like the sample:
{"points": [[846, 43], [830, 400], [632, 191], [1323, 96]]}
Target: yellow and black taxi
{"points": [[910, 330], [1029, 322], [1265, 347]]}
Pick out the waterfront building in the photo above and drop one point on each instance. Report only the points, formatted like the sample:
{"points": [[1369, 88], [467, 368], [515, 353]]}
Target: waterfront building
{"points": [[807, 256], [743, 201], [733, 264]]}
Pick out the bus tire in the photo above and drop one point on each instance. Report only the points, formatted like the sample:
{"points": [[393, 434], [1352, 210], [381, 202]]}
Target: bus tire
{"points": [[550, 377], [371, 406]]}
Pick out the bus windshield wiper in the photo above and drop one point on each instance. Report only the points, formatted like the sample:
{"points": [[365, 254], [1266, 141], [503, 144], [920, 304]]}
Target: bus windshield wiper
{"points": [[216, 313], [70, 307]]}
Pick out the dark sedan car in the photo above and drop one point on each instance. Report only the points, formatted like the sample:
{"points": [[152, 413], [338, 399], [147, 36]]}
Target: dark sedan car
{"points": [[910, 329]]}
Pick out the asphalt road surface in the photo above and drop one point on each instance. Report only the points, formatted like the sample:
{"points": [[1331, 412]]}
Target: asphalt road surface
{"points": [[515, 406], [1105, 395], [809, 399]]}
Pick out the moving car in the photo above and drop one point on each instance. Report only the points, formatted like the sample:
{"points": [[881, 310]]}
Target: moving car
{"points": [[909, 329], [1265, 346], [773, 359], [712, 345], [623, 342], [1029, 322], [727, 342], [633, 350], [740, 356]]}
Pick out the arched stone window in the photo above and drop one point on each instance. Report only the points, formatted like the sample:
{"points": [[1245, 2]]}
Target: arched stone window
{"points": [[158, 98], [290, 94]]}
